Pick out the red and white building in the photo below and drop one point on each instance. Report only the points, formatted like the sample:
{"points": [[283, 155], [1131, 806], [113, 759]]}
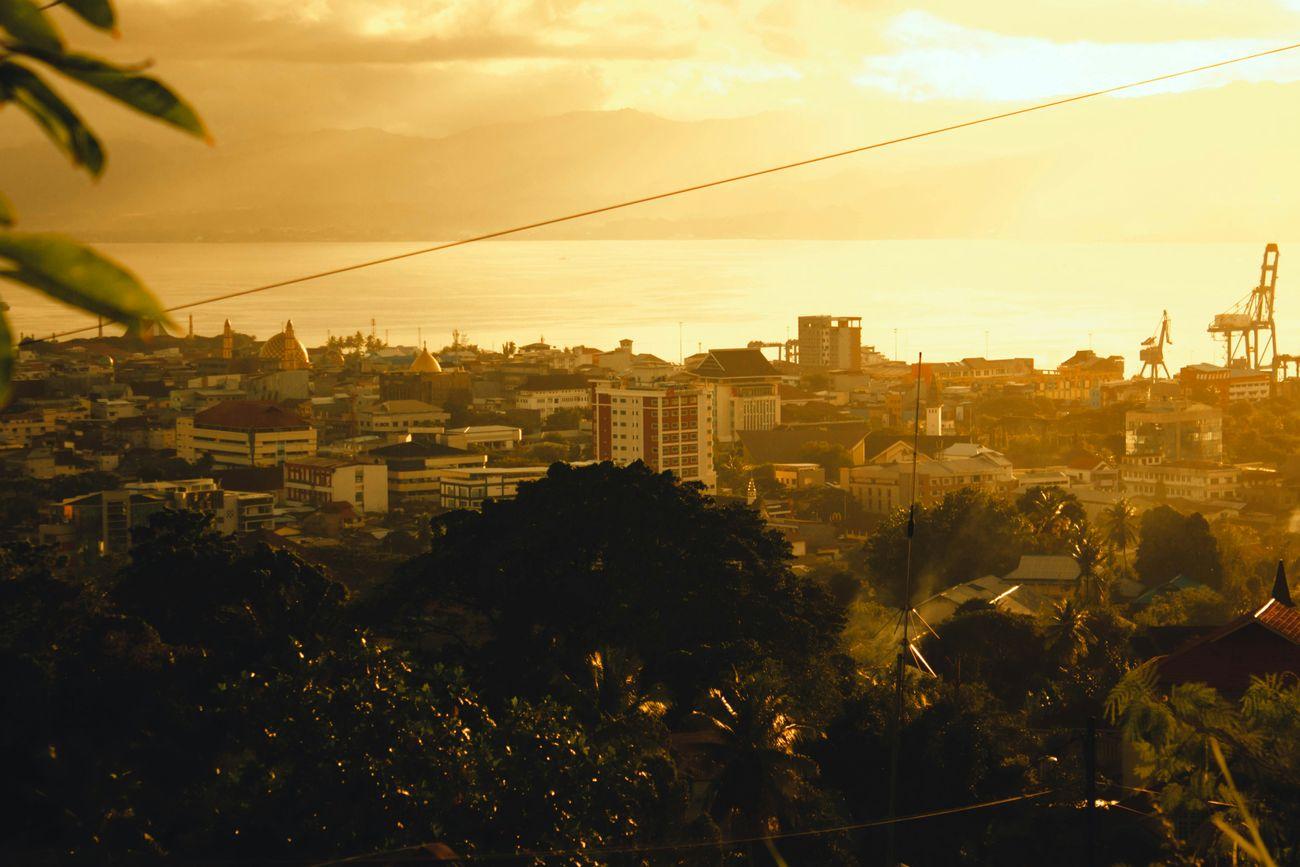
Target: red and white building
{"points": [[670, 429], [319, 481]]}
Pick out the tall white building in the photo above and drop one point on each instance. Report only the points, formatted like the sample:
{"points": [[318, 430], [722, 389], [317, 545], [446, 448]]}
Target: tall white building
{"points": [[669, 428]]}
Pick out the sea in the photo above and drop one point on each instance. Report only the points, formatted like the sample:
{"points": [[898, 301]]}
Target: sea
{"points": [[945, 299]]}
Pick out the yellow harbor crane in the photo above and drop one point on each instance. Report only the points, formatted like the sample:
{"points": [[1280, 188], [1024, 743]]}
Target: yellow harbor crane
{"points": [[1153, 351], [1248, 329]]}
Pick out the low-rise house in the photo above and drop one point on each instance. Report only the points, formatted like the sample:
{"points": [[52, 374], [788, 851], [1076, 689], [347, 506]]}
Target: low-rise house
{"points": [[884, 488], [1053, 576], [469, 488], [1264, 642], [799, 475]]}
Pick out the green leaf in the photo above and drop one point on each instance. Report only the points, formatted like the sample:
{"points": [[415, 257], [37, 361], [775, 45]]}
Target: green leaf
{"points": [[97, 13], [8, 358], [144, 94], [78, 276], [52, 114], [27, 23], [6, 212]]}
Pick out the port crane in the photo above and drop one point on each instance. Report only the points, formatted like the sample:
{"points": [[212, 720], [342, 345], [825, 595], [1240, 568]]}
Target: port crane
{"points": [[1248, 329], [1153, 352]]}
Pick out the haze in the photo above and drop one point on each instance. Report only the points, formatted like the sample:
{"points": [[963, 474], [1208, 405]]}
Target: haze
{"points": [[405, 119]]}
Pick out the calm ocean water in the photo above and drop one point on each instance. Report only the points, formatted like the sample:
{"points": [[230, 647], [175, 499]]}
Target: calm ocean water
{"points": [[949, 299]]}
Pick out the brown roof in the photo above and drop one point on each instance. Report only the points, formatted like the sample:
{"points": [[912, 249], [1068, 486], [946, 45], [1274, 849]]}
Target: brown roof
{"points": [[1282, 619], [727, 363], [782, 445], [249, 415]]}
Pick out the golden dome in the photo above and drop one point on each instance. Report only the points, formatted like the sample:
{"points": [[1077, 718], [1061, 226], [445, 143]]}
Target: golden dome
{"points": [[425, 363], [286, 349]]}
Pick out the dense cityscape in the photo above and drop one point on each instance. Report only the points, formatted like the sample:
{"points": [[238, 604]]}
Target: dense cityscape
{"points": [[800, 601]]}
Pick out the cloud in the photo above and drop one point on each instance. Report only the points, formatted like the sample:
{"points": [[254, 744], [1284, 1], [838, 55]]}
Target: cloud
{"points": [[937, 59]]}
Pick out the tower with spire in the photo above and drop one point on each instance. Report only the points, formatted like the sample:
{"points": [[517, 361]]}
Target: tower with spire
{"points": [[227, 341]]}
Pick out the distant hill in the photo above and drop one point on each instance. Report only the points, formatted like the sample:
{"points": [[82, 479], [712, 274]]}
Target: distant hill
{"points": [[1207, 165]]}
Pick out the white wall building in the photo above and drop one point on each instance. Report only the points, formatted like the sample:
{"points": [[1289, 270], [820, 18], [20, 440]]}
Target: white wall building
{"points": [[745, 389], [670, 429]]}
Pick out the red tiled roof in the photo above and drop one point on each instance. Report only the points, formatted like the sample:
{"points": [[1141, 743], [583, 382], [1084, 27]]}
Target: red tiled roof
{"points": [[249, 415], [1282, 619]]}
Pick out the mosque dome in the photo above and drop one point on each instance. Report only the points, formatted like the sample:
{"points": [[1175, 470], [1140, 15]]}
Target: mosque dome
{"points": [[425, 363], [286, 349]]}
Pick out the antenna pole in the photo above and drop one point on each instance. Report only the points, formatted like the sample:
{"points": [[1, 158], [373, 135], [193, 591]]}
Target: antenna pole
{"points": [[905, 616]]}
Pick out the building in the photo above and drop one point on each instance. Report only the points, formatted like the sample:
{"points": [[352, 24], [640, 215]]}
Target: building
{"points": [[317, 481], [1081, 378], [1174, 430], [549, 393], [799, 475], [415, 469], [102, 521], [245, 433], [884, 488], [1214, 384], [284, 351], [745, 390], [1199, 481], [795, 443], [425, 380], [830, 342], [669, 428], [490, 437], [469, 488], [400, 417], [1264, 642], [1052, 576]]}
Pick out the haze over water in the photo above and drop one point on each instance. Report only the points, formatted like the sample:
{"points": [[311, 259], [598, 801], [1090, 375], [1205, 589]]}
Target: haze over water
{"points": [[1034, 299]]}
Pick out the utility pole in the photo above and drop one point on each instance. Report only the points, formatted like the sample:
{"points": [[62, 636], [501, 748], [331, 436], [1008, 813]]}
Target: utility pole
{"points": [[903, 646], [1090, 784]]}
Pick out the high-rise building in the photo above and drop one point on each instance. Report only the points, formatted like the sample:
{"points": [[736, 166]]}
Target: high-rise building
{"points": [[669, 428], [830, 342]]}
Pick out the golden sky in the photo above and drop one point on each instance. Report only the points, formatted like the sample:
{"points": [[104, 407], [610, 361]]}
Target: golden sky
{"points": [[437, 66]]}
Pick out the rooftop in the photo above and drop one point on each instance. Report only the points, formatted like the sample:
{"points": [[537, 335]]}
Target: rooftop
{"points": [[249, 415], [734, 363]]}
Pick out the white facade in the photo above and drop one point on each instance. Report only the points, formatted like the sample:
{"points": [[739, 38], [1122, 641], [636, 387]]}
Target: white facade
{"points": [[547, 401], [493, 437], [669, 429]]}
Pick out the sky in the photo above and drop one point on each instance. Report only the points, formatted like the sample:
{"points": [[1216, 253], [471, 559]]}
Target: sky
{"points": [[434, 67]]}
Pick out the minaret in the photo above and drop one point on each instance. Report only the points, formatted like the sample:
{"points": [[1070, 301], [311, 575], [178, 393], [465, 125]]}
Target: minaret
{"points": [[1281, 592], [228, 341]]}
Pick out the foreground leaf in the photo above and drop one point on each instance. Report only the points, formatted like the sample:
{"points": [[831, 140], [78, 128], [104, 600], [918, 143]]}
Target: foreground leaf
{"points": [[78, 276], [144, 94], [6, 212], [97, 13], [26, 23], [52, 114]]}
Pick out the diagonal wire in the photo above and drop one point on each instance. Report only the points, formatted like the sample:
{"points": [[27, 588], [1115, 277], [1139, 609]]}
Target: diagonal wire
{"points": [[551, 221]]}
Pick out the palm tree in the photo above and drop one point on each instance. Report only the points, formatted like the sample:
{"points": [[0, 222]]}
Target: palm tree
{"points": [[1066, 632], [756, 746], [1119, 524], [611, 694], [1051, 513], [1087, 552]]}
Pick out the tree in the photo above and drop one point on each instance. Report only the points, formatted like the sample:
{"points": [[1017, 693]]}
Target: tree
{"points": [[1119, 527], [755, 742], [1052, 514], [1003, 651], [1065, 632], [831, 457], [30, 44], [1173, 732], [1086, 550], [1174, 545], [603, 557], [1193, 606], [967, 535]]}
